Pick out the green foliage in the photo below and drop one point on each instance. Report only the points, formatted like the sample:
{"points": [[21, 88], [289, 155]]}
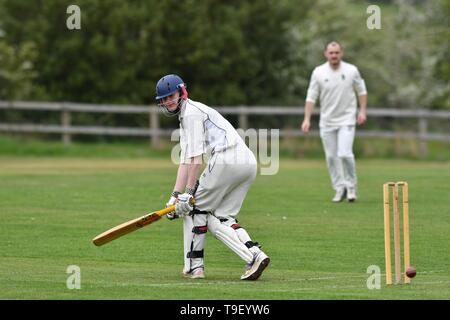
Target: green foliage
{"points": [[17, 70], [415, 48], [230, 53], [404, 63]]}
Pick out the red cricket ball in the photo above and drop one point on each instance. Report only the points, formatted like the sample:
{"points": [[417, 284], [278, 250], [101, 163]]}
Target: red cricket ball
{"points": [[411, 272]]}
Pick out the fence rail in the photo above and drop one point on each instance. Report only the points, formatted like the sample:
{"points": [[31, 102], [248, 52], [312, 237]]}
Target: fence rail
{"points": [[155, 132]]}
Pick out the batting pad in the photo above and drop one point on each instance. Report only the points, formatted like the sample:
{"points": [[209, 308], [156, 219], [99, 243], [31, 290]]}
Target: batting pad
{"points": [[228, 235]]}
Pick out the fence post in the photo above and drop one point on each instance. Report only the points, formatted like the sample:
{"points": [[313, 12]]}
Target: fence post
{"points": [[65, 122], [154, 126], [423, 129], [243, 118]]}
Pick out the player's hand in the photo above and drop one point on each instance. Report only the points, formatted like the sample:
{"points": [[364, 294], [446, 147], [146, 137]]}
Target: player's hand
{"points": [[361, 118], [173, 199], [305, 126], [184, 204]]}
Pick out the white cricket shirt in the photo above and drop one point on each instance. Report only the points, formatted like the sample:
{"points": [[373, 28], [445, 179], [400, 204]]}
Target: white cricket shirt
{"points": [[204, 130], [336, 92]]}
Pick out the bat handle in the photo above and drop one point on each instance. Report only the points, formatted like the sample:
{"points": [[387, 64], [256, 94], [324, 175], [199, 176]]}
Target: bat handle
{"points": [[171, 208]]}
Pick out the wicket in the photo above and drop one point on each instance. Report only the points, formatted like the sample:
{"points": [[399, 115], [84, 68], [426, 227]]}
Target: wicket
{"points": [[387, 230]]}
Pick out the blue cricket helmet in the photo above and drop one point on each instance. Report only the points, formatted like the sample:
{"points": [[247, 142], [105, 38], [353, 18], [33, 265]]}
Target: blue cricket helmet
{"points": [[168, 85]]}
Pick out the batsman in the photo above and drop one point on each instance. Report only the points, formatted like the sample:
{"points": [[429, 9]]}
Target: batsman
{"points": [[219, 190]]}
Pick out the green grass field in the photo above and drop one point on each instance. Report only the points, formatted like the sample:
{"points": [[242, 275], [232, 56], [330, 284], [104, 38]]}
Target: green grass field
{"points": [[51, 208]]}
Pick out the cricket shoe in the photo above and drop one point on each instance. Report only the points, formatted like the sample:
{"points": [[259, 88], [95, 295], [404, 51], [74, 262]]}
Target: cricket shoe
{"points": [[351, 194], [254, 269], [197, 273], [340, 195]]}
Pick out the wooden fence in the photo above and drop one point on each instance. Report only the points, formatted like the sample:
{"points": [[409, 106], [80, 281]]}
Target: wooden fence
{"points": [[155, 132]]}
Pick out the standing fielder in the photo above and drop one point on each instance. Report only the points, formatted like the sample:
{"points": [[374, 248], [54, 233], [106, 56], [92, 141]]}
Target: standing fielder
{"points": [[335, 83], [221, 189]]}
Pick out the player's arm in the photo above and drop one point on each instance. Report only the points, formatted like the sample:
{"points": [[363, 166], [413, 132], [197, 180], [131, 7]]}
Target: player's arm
{"points": [[192, 150], [186, 180], [181, 180], [188, 174], [306, 125], [311, 97], [194, 168], [184, 187], [360, 87], [178, 188], [362, 114]]}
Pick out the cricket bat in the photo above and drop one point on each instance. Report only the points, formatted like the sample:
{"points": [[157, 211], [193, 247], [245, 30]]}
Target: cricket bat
{"points": [[130, 226]]}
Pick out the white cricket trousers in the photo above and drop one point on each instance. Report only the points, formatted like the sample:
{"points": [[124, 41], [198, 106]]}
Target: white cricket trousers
{"points": [[225, 181], [337, 143], [222, 188]]}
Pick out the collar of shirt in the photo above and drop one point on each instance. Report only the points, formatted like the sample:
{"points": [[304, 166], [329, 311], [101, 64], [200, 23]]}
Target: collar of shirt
{"points": [[341, 63]]}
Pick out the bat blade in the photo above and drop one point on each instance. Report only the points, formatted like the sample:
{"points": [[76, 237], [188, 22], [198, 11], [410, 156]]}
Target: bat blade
{"points": [[130, 226]]}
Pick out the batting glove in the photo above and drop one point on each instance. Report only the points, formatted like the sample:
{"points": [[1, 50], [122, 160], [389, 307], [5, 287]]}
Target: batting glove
{"points": [[173, 199], [184, 204]]}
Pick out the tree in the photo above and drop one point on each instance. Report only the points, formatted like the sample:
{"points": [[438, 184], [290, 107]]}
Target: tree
{"points": [[228, 52], [17, 69], [415, 49]]}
